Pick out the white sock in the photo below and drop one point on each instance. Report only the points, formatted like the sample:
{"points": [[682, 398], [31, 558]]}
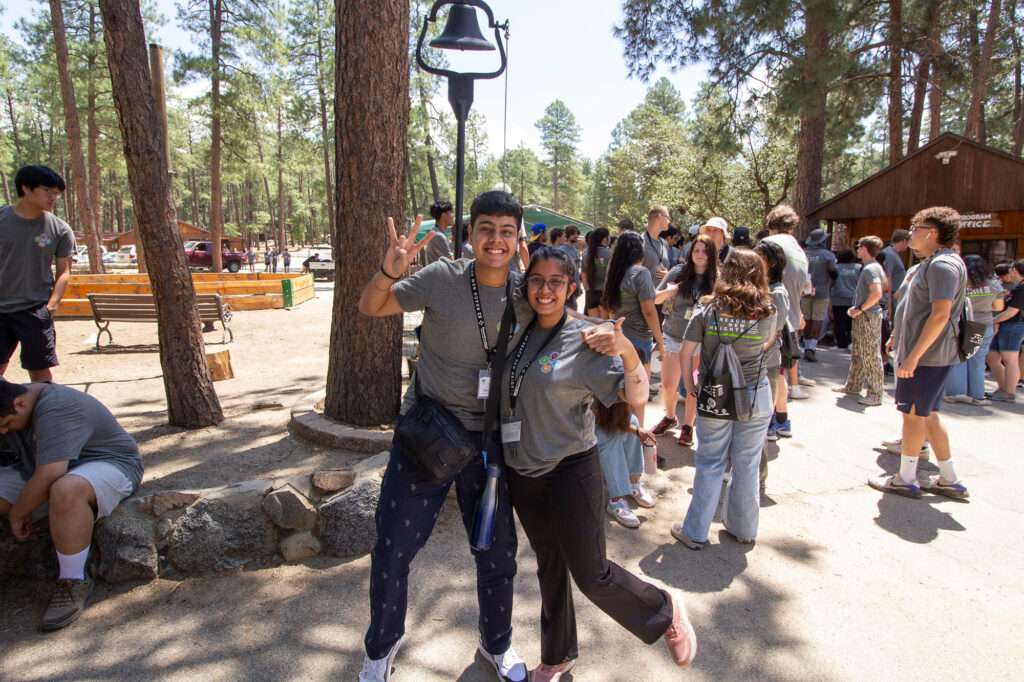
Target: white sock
{"points": [[908, 469], [947, 471], [811, 343], [73, 565]]}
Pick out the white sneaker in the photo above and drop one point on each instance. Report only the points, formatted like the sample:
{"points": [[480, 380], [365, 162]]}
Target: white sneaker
{"points": [[895, 447], [621, 512], [798, 393], [641, 496], [509, 666], [379, 670], [804, 381]]}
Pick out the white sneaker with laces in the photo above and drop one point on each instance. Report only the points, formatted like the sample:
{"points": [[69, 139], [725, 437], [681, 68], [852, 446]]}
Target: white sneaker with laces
{"points": [[641, 496], [798, 393], [509, 666], [379, 670], [621, 512]]}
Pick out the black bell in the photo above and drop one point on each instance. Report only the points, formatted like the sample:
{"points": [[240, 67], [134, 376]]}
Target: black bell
{"points": [[462, 32]]}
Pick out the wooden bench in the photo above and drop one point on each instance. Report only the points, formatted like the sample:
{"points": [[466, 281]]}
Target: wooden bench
{"points": [[107, 308]]}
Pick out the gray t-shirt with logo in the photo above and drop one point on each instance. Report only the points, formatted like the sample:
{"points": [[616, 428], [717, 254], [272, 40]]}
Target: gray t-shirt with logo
{"points": [[871, 273], [943, 277], [451, 352], [28, 248], [602, 257], [981, 300], [73, 427], [820, 262], [795, 274], [780, 299], [845, 286], [709, 328], [637, 286], [556, 397], [679, 308]]}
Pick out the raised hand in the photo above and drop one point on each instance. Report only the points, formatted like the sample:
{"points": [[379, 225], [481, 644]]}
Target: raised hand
{"points": [[402, 250]]}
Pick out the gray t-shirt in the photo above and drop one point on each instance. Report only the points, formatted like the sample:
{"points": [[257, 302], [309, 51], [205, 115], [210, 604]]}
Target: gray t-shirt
{"points": [[637, 286], [747, 337], [556, 397], [820, 262], [601, 260], [73, 427], [451, 352], [27, 252], [845, 286], [655, 253], [437, 248], [679, 308], [943, 277], [981, 300], [780, 299], [795, 274], [871, 273], [894, 268]]}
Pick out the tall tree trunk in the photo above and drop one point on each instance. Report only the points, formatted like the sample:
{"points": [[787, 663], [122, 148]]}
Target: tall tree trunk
{"points": [[324, 127], [935, 100], [191, 400], [92, 131], [895, 80], [929, 53], [371, 127], [7, 192], [216, 203], [74, 135], [1018, 86], [119, 211], [975, 115], [266, 182], [193, 185], [280, 181], [811, 140], [14, 130]]}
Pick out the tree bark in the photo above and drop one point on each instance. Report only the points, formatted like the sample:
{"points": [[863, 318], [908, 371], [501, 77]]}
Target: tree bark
{"points": [[92, 131], [895, 80], [930, 51], [811, 139], [280, 180], [266, 182], [371, 120], [975, 115], [324, 128], [74, 135], [1018, 86], [216, 203], [191, 400], [7, 192], [14, 130]]}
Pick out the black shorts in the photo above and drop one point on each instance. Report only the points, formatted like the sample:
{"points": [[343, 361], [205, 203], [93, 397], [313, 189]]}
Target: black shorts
{"points": [[34, 330], [923, 391], [593, 299]]}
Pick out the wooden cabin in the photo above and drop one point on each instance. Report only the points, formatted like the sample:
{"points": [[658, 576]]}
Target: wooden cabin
{"points": [[984, 184], [189, 232]]}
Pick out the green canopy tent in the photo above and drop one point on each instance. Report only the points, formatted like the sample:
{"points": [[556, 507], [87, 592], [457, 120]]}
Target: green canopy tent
{"points": [[532, 214]]}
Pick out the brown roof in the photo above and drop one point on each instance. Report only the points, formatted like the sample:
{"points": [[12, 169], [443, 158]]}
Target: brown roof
{"points": [[977, 178]]}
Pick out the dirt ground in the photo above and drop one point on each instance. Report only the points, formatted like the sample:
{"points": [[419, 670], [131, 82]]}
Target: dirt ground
{"points": [[843, 582]]}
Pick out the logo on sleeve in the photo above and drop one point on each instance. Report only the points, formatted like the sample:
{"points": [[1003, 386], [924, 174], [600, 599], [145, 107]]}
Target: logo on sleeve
{"points": [[43, 240]]}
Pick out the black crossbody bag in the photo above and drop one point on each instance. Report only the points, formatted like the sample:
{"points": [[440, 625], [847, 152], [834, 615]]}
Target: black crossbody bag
{"points": [[432, 438]]}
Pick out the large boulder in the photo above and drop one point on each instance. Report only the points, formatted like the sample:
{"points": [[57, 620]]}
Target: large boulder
{"points": [[289, 509], [215, 535], [347, 527], [126, 544]]}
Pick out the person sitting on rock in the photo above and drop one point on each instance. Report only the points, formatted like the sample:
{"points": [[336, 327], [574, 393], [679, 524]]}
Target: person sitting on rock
{"points": [[74, 459]]}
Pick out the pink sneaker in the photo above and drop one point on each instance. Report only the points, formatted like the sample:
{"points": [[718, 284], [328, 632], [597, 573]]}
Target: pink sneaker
{"points": [[551, 673], [680, 638]]}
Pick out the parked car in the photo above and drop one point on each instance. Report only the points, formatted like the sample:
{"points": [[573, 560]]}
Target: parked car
{"points": [[126, 255], [200, 255], [81, 254]]}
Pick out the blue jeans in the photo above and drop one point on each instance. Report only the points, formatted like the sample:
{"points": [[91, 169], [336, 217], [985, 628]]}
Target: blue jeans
{"points": [[621, 455], [718, 442], [968, 378]]}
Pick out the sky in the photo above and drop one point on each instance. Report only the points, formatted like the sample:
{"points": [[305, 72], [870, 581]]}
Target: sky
{"points": [[557, 50]]}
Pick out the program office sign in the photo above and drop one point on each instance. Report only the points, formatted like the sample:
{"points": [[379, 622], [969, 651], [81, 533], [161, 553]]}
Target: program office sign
{"points": [[980, 221]]}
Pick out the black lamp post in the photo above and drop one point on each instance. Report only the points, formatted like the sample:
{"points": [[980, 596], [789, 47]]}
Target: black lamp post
{"points": [[461, 32]]}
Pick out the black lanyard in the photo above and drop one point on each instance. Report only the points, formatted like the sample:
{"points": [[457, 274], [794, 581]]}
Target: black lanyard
{"points": [[481, 325], [662, 256], [515, 383]]}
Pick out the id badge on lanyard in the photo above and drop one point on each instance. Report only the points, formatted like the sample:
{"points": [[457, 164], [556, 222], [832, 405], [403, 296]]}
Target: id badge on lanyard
{"points": [[483, 384]]}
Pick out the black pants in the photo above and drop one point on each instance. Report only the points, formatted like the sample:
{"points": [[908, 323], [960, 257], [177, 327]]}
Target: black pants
{"points": [[562, 513], [406, 514], [843, 326]]}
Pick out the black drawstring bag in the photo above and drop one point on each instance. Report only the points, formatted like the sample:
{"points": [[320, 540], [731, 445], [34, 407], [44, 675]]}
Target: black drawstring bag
{"points": [[724, 394]]}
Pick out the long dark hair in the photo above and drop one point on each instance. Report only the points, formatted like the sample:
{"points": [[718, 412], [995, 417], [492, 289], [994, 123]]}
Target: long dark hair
{"points": [[594, 239], [774, 260], [629, 250], [742, 286], [612, 418], [688, 274], [978, 271]]}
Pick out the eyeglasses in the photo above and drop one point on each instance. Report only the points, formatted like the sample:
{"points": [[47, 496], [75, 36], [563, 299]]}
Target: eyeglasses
{"points": [[921, 227], [536, 283], [51, 192]]}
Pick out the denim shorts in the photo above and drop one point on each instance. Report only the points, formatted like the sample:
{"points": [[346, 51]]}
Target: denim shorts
{"points": [[1009, 338], [643, 349], [672, 344], [923, 391]]}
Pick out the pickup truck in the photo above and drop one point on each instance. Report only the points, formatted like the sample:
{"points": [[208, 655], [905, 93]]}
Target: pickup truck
{"points": [[200, 255], [322, 269]]}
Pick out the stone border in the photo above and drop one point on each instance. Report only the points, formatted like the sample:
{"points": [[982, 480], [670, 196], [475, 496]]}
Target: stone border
{"points": [[309, 423]]}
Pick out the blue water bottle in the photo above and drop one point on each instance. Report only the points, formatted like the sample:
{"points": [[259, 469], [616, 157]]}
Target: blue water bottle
{"points": [[486, 509]]}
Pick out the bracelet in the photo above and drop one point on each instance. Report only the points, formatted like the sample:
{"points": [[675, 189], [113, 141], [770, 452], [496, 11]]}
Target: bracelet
{"points": [[384, 272]]}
